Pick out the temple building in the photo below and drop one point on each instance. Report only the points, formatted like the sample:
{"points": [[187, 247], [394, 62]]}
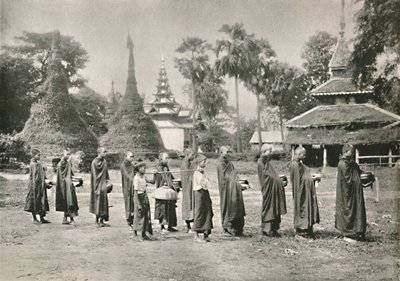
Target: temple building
{"points": [[346, 114], [172, 120]]}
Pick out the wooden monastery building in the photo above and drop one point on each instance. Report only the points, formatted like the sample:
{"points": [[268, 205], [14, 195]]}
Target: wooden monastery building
{"points": [[172, 120], [346, 114]]}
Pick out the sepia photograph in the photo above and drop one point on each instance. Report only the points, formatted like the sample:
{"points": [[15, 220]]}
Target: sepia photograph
{"points": [[199, 140]]}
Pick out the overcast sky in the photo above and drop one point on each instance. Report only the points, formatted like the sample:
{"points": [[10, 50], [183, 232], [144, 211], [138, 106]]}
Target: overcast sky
{"points": [[101, 26]]}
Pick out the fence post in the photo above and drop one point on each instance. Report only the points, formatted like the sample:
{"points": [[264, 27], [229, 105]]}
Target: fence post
{"points": [[390, 157]]}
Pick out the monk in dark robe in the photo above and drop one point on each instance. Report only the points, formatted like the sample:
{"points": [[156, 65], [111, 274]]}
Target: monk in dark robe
{"points": [[98, 188], [351, 218], [165, 211], [306, 212], [66, 200], [36, 200], [127, 173], [142, 213], [202, 212], [187, 188], [273, 194], [231, 197]]}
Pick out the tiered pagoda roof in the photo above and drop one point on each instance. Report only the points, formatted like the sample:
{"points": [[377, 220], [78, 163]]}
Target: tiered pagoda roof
{"points": [[345, 113], [163, 106]]}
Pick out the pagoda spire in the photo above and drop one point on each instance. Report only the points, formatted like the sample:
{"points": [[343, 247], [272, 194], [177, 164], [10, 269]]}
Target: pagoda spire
{"points": [[131, 81], [342, 21]]}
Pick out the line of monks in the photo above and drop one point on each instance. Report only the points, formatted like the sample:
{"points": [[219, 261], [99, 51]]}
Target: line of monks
{"points": [[350, 217]]}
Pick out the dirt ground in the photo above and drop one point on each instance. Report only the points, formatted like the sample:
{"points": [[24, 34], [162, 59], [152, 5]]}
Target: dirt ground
{"points": [[84, 252]]}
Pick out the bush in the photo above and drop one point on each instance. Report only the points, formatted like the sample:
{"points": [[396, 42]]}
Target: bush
{"points": [[14, 154]]}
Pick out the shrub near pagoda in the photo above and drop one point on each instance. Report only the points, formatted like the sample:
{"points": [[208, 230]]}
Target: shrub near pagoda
{"points": [[54, 123], [132, 129]]}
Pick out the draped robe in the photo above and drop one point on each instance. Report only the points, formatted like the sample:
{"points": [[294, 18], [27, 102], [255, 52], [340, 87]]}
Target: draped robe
{"points": [[187, 189], [127, 174], [98, 191], [36, 200], [350, 216], [231, 197], [66, 200], [306, 212], [273, 194], [165, 210]]}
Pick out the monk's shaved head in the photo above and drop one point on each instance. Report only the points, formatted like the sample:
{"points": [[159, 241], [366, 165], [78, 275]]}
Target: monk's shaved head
{"points": [[299, 150], [224, 149], [267, 147], [101, 149]]}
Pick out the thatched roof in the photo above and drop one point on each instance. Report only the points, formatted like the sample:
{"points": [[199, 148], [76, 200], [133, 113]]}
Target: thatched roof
{"points": [[338, 86], [346, 115], [267, 137], [131, 128], [339, 136], [54, 123]]}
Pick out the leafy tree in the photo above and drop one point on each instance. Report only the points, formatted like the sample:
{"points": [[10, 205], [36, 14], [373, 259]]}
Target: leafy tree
{"points": [[212, 99], [37, 47], [317, 52], [193, 65], [236, 60], [376, 56], [91, 107], [248, 126], [18, 79], [285, 87], [257, 81]]}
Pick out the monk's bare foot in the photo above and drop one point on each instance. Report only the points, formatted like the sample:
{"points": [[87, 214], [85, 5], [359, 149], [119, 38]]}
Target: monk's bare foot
{"points": [[267, 234], [36, 222], [198, 239], [65, 221], [147, 238], [44, 221], [275, 234], [171, 229]]}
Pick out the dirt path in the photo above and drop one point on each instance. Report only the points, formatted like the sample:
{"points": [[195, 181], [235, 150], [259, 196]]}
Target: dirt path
{"points": [[84, 252]]}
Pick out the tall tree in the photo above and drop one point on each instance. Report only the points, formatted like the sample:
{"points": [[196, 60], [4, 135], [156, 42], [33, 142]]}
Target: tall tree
{"points": [[285, 87], [317, 52], [258, 79], [37, 47], [376, 56], [235, 61], [18, 80], [212, 99], [193, 65]]}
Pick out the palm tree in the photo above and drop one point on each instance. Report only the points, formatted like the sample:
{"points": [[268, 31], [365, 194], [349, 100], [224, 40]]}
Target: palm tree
{"points": [[193, 65], [236, 60]]}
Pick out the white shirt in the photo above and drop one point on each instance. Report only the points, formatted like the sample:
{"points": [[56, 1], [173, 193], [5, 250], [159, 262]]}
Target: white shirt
{"points": [[139, 183], [200, 181]]}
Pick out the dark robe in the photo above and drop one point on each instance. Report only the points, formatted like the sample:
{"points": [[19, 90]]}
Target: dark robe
{"points": [[165, 210], [306, 212], [127, 173], [350, 217], [36, 200], [273, 194], [231, 197], [142, 213], [66, 200], [187, 189], [203, 213], [98, 191]]}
